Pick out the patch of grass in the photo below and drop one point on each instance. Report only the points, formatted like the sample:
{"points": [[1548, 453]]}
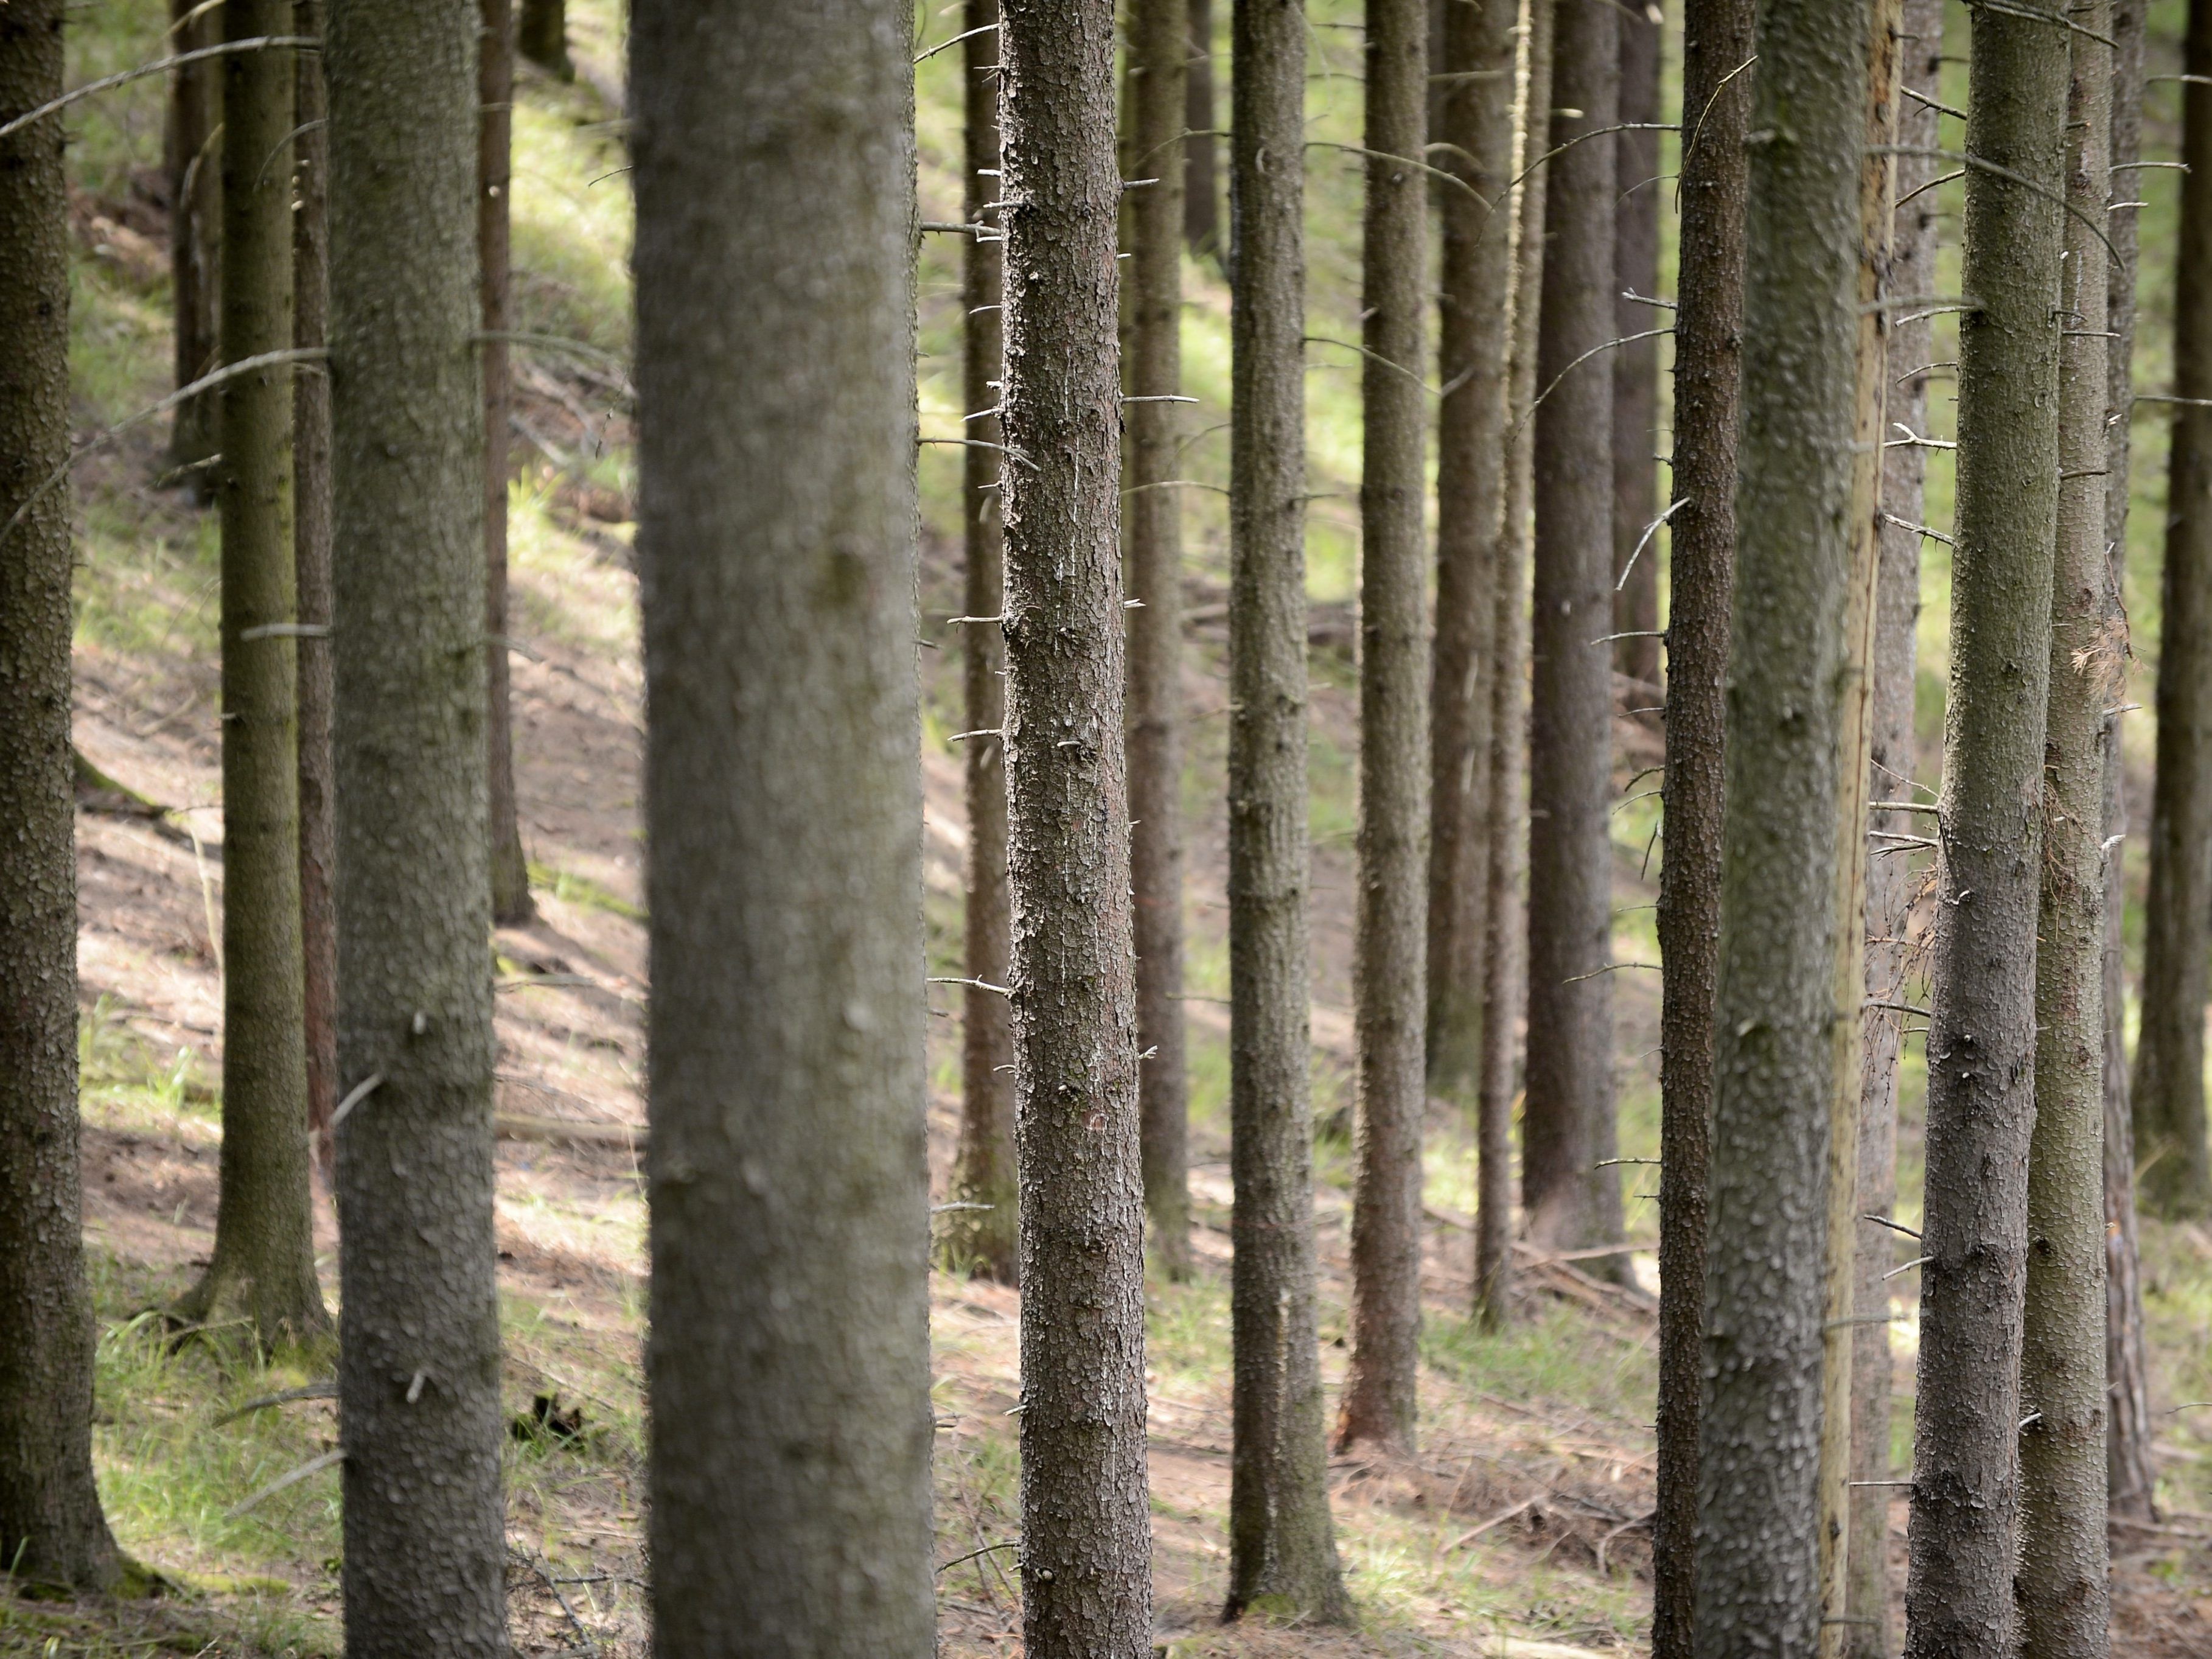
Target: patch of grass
{"points": [[1556, 1355], [572, 889], [125, 1082]]}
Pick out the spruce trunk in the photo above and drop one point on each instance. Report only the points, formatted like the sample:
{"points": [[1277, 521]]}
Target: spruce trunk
{"points": [[1636, 363], [1201, 200], [542, 36], [193, 159]]}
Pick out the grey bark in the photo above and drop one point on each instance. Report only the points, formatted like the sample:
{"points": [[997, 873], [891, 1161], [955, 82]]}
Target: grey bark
{"points": [[192, 160], [418, 1372], [1981, 1056], [542, 36], [1636, 365], [51, 1530], [1282, 1549], [1201, 201]]}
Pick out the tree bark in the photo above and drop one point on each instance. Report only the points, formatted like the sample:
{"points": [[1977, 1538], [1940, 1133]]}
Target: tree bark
{"points": [[2063, 1602], [1086, 1540], [510, 869], [193, 163], [1159, 45], [1201, 196], [1381, 1404], [1282, 1549], [2176, 1170], [418, 1372], [987, 1239], [1471, 362], [543, 36], [264, 1264], [1636, 365], [1567, 1122], [1981, 1052], [51, 1530], [1716, 97]]}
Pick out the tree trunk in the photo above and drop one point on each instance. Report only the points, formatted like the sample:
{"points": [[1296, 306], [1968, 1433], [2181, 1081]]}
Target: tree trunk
{"points": [[1282, 1549], [1087, 1533], [1504, 982], [1158, 44], [264, 1264], [1790, 691], [1477, 68], [543, 36], [418, 1372], [1636, 366], [986, 1239], [2131, 1474], [1981, 1042], [1717, 88], [789, 1241], [1201, 196], [1567, 1122], [1380, 1405], [510, 870], [310, 565], [51, 1530], [1889, 881], [193, 163], [2063, 1602], [2169, 1076]]}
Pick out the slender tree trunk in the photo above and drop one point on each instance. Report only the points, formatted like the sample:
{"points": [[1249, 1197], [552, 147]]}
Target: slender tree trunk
{"points": [[510, 870], [193, 163], [264, 1263], [1567, 1123], [1381, 1404], [51, 1530], [1282, 1549], [2063, 1602], [2131, 1474], [2169, 1077], [1471, 362], [1159, 45], [1504, 981], [1789, 692], [789, 1233], [1201, 196], [1636, 365], [987, 1238], [418, 1370], [1086, 1540], [543, 36], [310, 565], [1716, 98], [1981, 1042], [1889, 884]]}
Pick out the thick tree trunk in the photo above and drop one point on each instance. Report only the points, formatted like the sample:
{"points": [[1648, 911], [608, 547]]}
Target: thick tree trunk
{"points": [[1567, 1123], [1981, 1042], [1636, 366], [1716, 96], [1159, 45], [789, 1231], [1086, 1538], [1282, 1548], [2169, 1076], [193, 163], [418, 1372], [1201, 197], [264, 1264], [2063, 1602], [542, 36], [1471, 359], [987, 1240], [1381, 1404], [51, 1530], [510, 870]]}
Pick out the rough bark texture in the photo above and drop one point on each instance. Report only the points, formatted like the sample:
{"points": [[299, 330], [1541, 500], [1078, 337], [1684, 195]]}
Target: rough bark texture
{"points": [[1282, 1549], [510, 870], [2131, 1474], [418, 1372], [542, 36], [986, 1239], [1478, 274], [51, 1530], [1086, 1534], [264, 1264], [2062, 1596], [192, 160], [1716, 96], [1159, 45], [1981, 1042], [1636, 366], [1201, 199], [1567, 1122], [2168, 1104]]}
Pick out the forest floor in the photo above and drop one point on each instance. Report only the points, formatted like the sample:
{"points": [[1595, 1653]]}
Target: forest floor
{"points": [[1520, 1528]]}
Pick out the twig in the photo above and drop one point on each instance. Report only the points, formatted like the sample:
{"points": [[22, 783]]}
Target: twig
{"points": [[355, 1096], [1010, 1544], [156, 67], [590, 1642], [1497, 1520], [1917, 1262], [1894, 1227], [1918, 529], [312, 1466], [1650, 530], [328, 1388], [972, 984], [987, 28], [1626, 339]]}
